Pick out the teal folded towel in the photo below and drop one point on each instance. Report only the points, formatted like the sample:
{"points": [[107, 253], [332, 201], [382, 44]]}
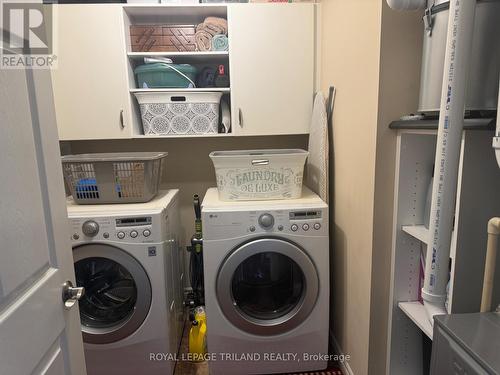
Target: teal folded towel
{"points": [[220, 43]]}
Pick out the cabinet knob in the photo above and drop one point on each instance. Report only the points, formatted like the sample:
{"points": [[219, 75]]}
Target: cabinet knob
{"points": [[122, 124], [240, 117]]}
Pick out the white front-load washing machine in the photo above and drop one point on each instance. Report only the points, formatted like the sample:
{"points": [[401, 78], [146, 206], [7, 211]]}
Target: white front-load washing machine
{"points": [[266, 269], [128, 258]]}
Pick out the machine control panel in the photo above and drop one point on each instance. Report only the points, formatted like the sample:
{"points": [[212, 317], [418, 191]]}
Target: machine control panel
{"points": [[129, 229], [301, 222]]}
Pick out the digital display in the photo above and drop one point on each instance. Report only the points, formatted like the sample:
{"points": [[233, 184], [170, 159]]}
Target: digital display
{"points": [[304, 215], [133, 221]]}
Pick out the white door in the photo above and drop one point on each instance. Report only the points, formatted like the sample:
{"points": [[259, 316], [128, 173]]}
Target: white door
{"points": [[91, 78], [38, 334], [271, 56]]}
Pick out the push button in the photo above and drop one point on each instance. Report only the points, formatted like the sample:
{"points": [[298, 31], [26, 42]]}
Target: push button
{"points": [[146, 232], [134, 234], [252, 229], [294, 227], [120, 235], [305, 227], [317, 226]]}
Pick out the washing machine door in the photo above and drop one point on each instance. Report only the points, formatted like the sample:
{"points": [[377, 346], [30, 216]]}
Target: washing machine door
{"points": [[117, 295], [267, 286]]}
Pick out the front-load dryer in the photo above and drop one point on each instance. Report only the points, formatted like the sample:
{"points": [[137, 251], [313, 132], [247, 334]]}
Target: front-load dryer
{"points": [[266, 269], [128, 258]]}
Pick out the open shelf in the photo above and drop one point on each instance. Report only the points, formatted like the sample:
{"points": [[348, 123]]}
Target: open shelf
{"points": [[183, 13], [419, 232], [416, 312], [197, 89], [192, 55], [422, 234]]}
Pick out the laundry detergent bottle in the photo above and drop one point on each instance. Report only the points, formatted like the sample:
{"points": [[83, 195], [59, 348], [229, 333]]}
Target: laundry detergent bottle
{"points": [[198, 334]]}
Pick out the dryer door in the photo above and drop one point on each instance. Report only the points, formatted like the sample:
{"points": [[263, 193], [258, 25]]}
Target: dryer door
{"points": [[117, 292], [267, 286]]}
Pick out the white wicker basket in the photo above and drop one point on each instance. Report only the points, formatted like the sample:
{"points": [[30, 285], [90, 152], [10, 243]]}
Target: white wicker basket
{"points": [[259, 174], [179, 112]]}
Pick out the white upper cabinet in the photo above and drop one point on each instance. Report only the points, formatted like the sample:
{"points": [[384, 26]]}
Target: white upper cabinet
{"points": [[271, 62], [272, 71], [90, 81]]}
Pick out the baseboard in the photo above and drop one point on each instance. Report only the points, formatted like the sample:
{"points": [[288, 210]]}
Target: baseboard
{"points": [[344, 365]]}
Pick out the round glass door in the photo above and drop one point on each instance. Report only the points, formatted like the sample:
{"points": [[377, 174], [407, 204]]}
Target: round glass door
{"points": [[117, 292], [110, 292], [267, 286]]}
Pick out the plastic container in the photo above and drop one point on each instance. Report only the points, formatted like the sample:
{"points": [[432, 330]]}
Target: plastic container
{"points": [[198, 334], [482, 88], [179, 113], [161, 75], [128, 177], [162, 38], [259, 174]]}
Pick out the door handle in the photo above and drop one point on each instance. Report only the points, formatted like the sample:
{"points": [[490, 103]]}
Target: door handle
{"points": [[71, 294], [240, 117], [260, 162], [122, 124]]}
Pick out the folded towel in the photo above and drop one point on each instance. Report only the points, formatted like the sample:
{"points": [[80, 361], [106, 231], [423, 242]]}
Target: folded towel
{"points": [[216, 25], [220, 43], [203, 40], [210, 27]]}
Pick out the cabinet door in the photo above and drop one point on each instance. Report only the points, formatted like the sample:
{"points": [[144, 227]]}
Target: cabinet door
{"points": [[90, 80], [272, 67]]}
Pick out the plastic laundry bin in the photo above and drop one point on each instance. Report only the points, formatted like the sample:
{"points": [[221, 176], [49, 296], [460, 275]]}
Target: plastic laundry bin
{"points": [[179, 113], [128, 177], [162, 75], [259, 174]]}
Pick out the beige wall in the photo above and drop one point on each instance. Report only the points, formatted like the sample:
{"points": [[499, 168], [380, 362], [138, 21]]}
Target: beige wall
{"points": [[350, 61], [371, 54], [399, 76], [188, 166]]}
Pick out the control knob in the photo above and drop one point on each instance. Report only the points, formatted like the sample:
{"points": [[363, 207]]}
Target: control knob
{"points": [[266, 221], [90, 228]]}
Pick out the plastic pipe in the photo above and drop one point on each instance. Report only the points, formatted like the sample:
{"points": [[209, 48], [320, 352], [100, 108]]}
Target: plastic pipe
{"points": [[451, 120], [406, 4], [490, 263]]}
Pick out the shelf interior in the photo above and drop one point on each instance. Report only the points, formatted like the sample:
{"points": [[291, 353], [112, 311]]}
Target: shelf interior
{"points": [[195, 57], [416, 312], [180, 15], [173, 14]]}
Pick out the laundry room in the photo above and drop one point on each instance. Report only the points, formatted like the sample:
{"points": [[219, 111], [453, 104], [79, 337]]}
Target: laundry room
{"points": [[216, 187]]}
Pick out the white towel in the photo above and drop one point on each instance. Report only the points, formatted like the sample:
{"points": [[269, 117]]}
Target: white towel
{"points": [[317, 162]]}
